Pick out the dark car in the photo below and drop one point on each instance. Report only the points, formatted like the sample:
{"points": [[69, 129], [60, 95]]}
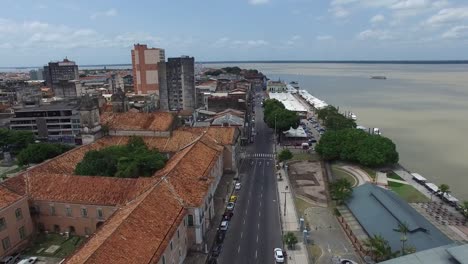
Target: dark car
{"points": [[227, 216], [212, 261], [216, 250], [220, 237]]}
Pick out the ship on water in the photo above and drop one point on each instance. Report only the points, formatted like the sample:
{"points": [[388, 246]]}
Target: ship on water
{"points": [[379, 77]]}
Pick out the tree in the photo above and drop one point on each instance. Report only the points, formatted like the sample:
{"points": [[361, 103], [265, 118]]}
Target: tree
{"points": [[379, 248], [276, 115], [290, 239], [465, 209], [130, 161], [444, 189], [403, 229], [14, 140], [37, 153], [285, 154], [341, 190], [333, 120]]}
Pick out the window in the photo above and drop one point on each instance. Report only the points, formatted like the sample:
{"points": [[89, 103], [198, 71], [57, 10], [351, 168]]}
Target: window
{"points": [[19, 214], [6, 243], [163, 260], [190, 220], [22, 232], [171, 245], [100, 213], [68, 211], [2, 223], [178, 234], [87, 231], [84, 212], [52, 210]]}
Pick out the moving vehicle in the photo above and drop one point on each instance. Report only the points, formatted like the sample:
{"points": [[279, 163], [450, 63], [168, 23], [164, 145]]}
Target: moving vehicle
{"points": [[227, 216], [238, 186], [233, 199], [224, 226], [279, 257], [220, 236], [230, 206]]}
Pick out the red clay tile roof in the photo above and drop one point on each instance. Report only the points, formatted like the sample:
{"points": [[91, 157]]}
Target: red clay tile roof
{"points": [[158, 121], [16, 184], [137, 233], [188, 171], [86, 189], [7, 197], [222, 135]]}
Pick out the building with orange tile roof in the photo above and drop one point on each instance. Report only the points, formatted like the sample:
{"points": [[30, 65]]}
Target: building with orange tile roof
{"points": [[139, 124], [176, 204]]}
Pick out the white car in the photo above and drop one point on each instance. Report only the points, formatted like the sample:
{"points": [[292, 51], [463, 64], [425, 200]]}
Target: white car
{"points": [[279, 257], [238, 186], [28, 260], [224, 225], [230, 206]]}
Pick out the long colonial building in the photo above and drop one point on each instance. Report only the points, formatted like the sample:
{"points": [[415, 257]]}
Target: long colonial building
{"points": [[144, 220]]}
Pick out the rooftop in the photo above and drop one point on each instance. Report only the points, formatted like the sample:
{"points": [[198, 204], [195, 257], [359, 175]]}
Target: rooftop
{"points": [[158, 121], [448, 254], [289, 101], [123, 239], [380, 211], [7, 197]]}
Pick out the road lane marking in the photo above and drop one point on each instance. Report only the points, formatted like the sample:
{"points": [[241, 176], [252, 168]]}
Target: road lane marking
{"points": [[329, 249], [244, 221], [238, 249], [258, 225], [259, 213], [255, 253], [260, 203], [257, 238], [242, 234]]}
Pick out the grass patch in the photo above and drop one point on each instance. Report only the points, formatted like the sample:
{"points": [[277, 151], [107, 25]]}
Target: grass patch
{"points": [[43, 241], [301, 205], [314, 252], [393, 175], [370, 171], [305, 156], [408, 192], [339, 173]]}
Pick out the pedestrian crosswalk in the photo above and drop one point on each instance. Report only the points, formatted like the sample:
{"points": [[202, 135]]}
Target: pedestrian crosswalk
{"points": [[260, 155]]}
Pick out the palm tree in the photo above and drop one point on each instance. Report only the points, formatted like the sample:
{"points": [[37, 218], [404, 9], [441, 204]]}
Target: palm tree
{"points": [[444, 189], [379, 248], [403, 229]]}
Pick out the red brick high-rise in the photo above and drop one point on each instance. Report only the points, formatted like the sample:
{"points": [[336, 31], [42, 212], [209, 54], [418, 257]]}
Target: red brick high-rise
{"points": [[145, 69]]}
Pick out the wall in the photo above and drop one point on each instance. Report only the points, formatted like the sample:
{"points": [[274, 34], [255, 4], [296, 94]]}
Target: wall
{"points": [[143, 133], [79, 222], [12, 225], [179, 241]]}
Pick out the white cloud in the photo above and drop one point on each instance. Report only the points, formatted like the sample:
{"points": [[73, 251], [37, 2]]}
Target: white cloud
{"points": [[374, 34], [377, 19], [109, 13], [410, 4], [258, 2], [225, 42], [339, 12], [456, 32], [293, 40], [448, 15], [324, 37]]}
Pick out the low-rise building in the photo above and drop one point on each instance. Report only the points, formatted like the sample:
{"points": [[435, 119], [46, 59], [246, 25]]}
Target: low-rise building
{"points": [[276, 87]]}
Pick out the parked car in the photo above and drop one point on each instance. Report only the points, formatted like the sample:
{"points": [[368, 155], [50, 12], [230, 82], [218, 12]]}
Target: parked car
{"points": [[233, 199], [28, 260], [216, 250], [347, 261], [230, 206], [279, 257], [220, 236], [227, 216], [238, 186], [10, 259], [224, 226]]}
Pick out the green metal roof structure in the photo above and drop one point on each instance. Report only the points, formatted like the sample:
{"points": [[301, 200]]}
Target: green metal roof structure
{"points": [[380, 211]]}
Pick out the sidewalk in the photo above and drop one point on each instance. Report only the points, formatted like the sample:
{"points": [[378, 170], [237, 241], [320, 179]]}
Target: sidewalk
{"points": [[290, 221]]}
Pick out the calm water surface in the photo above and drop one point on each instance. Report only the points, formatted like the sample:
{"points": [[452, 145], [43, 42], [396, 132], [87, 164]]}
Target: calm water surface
{"points": [[423, 108]]}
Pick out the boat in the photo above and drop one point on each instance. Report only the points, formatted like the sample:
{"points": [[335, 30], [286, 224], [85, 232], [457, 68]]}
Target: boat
{"points": [[379, 77], [377, 131], [295, 85]]}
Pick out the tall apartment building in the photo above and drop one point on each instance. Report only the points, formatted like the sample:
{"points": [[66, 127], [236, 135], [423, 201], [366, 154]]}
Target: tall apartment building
{"points": [[36, 74], [145, 69], [58, 74], [177, 84]]}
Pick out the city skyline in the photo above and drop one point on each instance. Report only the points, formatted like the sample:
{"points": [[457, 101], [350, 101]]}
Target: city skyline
{"points": [[104, 32]]}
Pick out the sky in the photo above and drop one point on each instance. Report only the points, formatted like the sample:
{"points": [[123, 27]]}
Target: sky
{"points": [[34, 32]]}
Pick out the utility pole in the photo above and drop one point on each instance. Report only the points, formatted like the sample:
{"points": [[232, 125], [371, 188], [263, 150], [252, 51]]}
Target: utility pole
{"points": [[275, 134], [285, 202]]}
